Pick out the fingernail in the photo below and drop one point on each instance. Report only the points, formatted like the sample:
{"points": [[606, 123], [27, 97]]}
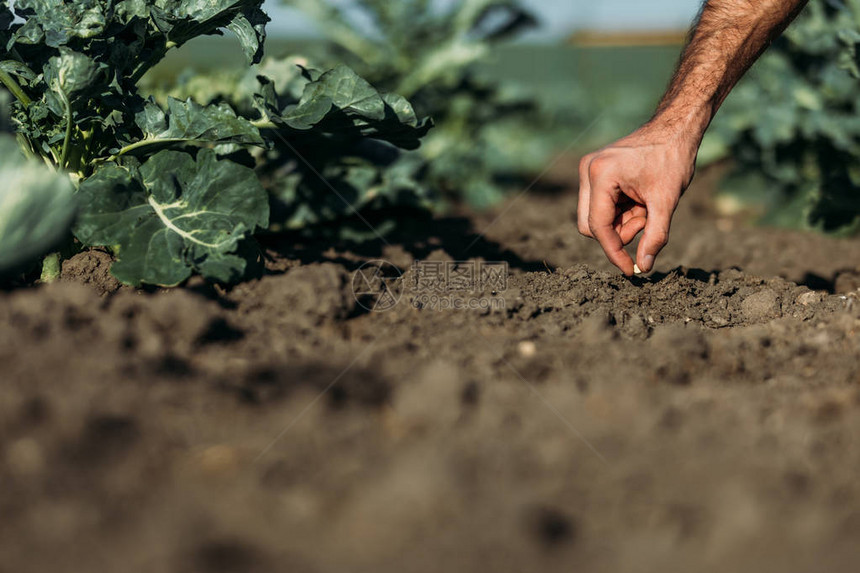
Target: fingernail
{"points": [[647, 263]]}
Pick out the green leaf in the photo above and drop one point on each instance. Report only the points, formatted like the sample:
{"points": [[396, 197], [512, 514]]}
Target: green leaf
{"points": [[36, 208], [514, 19], [71, 78], [850, 58], [173, 216], [187, 122], [346, 189], [60, 21], [18, 69], [347, 91], [183, 20], [250, 28], [340, 102], [129, 10]]}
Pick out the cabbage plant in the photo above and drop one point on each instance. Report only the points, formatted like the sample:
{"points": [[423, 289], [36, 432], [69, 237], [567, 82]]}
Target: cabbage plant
{"points": [[180, 186]]}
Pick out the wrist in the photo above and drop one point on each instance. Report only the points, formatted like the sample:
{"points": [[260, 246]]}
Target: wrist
{"points": [[683, 131], [685, 124]]}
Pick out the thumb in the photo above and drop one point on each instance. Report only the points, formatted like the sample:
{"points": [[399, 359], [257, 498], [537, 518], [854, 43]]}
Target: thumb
{"points": [[655, 237]]}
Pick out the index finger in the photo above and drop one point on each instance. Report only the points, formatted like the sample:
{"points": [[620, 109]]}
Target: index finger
{"points": [[584, 197], [601, 218]]}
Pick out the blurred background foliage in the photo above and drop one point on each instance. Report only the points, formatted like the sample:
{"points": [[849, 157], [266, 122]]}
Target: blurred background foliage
{"points": [[485, 132], [791, 130]]}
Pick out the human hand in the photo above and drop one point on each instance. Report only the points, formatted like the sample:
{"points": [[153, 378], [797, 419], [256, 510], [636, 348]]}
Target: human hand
{"points": [[635, 184]]}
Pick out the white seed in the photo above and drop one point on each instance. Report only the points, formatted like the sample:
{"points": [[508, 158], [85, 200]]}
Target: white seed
{"points": [[636, 269]]}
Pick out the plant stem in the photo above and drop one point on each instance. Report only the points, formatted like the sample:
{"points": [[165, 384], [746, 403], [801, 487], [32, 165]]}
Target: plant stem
{"points": [[264, 124], [64, 158], [152, 61], [13, 87], [51, 268], [144, 143]]}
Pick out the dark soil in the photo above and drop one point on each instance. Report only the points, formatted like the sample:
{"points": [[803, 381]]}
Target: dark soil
{"points": [[706, 418]]}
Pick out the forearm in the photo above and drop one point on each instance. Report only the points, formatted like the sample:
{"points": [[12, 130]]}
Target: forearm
{"points": [[729, 37]]}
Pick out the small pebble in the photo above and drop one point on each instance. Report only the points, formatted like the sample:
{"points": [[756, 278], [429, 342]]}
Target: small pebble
{"points": [[761, 305], [219, 460], [527, 349], [809, 298]]}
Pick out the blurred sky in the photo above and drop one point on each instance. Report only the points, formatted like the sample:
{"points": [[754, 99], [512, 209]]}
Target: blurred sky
{"points": [[559, 17]]}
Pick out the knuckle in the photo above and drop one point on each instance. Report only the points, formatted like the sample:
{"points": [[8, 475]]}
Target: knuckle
{"points": [[661, 238], [584, 230], [583, 165], [586, 159], [598, 165]]}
